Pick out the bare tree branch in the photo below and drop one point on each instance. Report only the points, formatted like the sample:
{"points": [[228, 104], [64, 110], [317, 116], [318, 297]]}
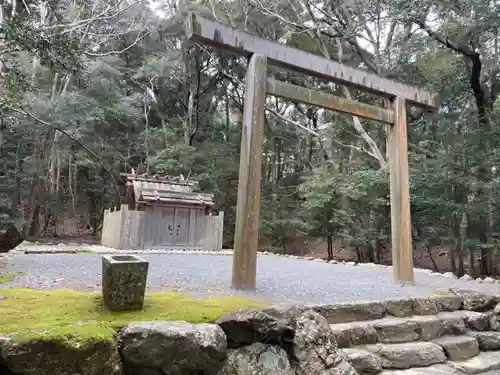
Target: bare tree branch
{"points": [[25, 112], [109, 53]]}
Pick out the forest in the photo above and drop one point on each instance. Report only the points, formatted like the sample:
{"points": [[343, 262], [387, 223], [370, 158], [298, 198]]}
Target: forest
{"points": [[91, 89]]}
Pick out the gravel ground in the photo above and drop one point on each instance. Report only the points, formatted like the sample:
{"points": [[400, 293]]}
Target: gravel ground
{"points": [[279, 279]]}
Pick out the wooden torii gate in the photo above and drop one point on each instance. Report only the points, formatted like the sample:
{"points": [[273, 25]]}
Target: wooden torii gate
{"points": [[262, 52]]}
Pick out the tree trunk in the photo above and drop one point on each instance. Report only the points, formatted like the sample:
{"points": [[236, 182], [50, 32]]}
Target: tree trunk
{"points": [[35, 222], [472, 262], [460, 252], [274, 179], [359, 254], [329, 242], [16, 195]]}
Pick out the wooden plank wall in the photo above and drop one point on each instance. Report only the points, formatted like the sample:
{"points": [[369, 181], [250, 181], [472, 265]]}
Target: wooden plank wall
{"points": [[131, 233], [125, 229], [111, 228], [212, 235]]}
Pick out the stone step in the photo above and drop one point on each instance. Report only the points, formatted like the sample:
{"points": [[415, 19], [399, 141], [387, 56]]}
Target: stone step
{"points": [[408, 329], [348, 312], [458, 347], [407, 355], [424, 358], [432, 370], [484, 362], [441, 369]]}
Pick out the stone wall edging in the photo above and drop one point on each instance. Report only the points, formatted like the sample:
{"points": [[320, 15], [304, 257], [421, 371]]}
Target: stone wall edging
{"points": [[209, 344], [452, 300]]}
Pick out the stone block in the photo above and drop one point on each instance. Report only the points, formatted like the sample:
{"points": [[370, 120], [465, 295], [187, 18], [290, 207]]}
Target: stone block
{"points": [[484, 362], [449, 303], [476, 321], [348, 312], [475, 301], [399, 307], [174, 348], [440, 369], [258, 358], [430, 326], [473, 320], [425, 306], [488, 340], [363, 361], [394, 330], [458, 347], [355, 333], [60, 355], [407, 355], [124, 279], [452, 323]]}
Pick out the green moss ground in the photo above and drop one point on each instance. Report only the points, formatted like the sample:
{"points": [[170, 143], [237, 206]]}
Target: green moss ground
{"points": [[78, 316]]}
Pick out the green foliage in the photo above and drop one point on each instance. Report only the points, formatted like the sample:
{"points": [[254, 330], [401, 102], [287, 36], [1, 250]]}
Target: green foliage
{"points": [[281, 231], [175, 159], [322, 211], [8, 215], [58, 51], [157, 102]]}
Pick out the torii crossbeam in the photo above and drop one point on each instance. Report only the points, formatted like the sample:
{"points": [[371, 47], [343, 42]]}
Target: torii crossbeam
{"points": [[262, 52]]}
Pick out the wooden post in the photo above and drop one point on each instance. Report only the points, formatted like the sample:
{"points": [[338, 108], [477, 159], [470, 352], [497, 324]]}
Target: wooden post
{"points": [[402, 250], [248, 206]]}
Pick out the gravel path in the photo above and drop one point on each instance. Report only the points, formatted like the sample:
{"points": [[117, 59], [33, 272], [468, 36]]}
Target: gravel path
{"points": [[279, 279]]}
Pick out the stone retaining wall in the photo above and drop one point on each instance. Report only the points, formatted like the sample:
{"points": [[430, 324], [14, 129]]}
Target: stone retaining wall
{"points": [[280, 340]]}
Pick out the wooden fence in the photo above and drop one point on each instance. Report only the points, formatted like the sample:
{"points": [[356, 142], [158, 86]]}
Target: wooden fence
{"points": [[214, 228], [126, 229]]}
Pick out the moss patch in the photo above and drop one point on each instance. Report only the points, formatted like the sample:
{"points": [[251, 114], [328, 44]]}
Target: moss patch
{"points": [[68, 314], [5, 278]]}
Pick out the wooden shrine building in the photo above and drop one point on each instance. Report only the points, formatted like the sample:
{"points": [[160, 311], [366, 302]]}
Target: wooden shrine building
{"points": [[163, 213]]}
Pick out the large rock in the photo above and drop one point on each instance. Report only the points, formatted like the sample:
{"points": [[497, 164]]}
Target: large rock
{"points": [[175, 348], [342, 334], [476, 321], [425, 306], [482, 363], [399, 308], [494, 324], [475, 301], [61, 356], [363, 361], [452, 323], [314, 350], [440, 369], [407, 355], [274, 325], [348, 312], [458, 347], [393, 330], [257, 359], [430, 326], [488, 340], [355, 333], [449, 302]]}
